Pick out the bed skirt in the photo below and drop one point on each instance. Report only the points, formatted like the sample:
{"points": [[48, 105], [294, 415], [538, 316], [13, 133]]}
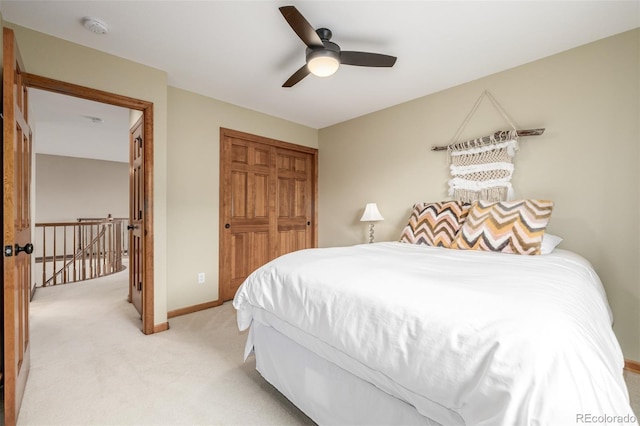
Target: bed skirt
{"points": [[326, 393]]}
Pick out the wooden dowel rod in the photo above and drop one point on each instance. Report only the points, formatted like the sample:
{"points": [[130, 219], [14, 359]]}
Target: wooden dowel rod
{"points": [[496, 135]]}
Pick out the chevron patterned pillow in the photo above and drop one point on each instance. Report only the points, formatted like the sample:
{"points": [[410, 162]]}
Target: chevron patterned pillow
{"points": [[506, 226], [435, 224]]}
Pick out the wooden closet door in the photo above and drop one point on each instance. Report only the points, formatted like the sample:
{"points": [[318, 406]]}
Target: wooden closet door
{"points": [[248, 207], [293, 208], [267, 204]]}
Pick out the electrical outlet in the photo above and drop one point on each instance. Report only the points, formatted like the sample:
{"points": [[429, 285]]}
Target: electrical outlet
{"points": [[201, 278]]}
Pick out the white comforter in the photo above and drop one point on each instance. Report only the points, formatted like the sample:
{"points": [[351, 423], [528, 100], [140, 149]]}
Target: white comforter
{"points": [[486, 338]]}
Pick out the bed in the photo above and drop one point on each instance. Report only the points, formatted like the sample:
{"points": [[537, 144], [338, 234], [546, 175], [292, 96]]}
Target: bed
{"points": [[409, 332]]}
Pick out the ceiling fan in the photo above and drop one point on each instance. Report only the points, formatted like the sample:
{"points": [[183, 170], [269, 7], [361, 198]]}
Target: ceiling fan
{"points": [[323, 56]]}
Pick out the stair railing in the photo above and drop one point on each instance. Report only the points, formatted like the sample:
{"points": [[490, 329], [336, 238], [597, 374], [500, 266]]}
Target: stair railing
{"points": [[76, 251]]}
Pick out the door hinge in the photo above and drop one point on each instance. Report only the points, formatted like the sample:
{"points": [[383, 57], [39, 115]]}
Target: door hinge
{"points": [[8, 251]]}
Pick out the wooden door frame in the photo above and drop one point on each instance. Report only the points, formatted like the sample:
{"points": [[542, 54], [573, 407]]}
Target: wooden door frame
{"points": [[64, 88]]}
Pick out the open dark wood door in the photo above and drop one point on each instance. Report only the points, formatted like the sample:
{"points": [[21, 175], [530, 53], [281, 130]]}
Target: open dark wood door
{"points": [[136, 216], [16, 164]]}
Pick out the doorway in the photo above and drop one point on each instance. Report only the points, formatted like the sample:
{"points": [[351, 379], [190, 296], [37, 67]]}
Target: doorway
{"points": [[145, 255], [81, 186]]}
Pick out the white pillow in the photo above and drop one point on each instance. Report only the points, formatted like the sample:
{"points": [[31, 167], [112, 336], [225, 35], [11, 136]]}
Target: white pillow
{"points": [[549, 242]]}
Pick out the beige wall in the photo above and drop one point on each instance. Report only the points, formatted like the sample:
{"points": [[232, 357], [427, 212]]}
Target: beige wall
{"points": [[186, 148], [61, 196], [587, 98], [193, 183], [587, 161], [59, 59]]}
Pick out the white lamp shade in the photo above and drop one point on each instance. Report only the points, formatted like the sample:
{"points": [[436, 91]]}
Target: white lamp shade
{"points": [[371, 213]]}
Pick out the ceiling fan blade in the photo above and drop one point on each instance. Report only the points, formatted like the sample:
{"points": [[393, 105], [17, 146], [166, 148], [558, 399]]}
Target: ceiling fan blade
{"points": [[366, 59], [301, 26], [297, 76]]}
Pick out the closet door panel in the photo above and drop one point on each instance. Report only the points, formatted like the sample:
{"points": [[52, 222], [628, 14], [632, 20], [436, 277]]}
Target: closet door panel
{"points": [[294, 193], [268, 192]]}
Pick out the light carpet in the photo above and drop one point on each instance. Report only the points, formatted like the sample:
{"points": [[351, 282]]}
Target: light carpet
{"points": [[91, 365]]}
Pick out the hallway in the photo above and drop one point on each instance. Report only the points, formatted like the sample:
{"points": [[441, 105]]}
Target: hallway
{"points": [[92, 365]]}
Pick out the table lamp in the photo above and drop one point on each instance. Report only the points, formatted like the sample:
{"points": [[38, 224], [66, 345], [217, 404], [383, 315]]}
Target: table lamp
{"points": [[371, 214]]}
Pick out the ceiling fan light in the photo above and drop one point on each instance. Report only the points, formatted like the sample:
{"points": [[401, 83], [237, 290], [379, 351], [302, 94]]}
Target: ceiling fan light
{"points": [[323, 63]]}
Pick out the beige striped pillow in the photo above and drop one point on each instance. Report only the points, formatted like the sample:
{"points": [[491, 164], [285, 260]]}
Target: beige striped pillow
{"points": [[435, 224], [506, 226]]}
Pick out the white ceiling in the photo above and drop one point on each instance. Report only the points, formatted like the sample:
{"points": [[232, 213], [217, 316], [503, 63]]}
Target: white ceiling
{"points": [[242, 51], [68, 126]]}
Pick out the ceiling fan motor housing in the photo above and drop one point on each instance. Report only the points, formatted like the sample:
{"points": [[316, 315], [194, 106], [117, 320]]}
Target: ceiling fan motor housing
{"points": [[330, 49], [325, 34]]}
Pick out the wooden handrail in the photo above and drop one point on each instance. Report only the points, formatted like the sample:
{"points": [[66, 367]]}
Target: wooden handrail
{"points": [[41, 224], [87, 249], [100, 219]]}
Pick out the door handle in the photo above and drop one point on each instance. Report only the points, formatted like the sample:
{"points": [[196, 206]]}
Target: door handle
{"points": [[131, 227], [27, 248]]}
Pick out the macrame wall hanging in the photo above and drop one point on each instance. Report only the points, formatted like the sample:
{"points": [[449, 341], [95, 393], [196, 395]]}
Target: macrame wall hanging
{"points": [[481, 168]]}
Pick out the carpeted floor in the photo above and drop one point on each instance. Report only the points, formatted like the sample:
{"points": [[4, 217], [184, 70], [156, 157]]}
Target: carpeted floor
{"points": [[633, 384], [91, 365]]}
